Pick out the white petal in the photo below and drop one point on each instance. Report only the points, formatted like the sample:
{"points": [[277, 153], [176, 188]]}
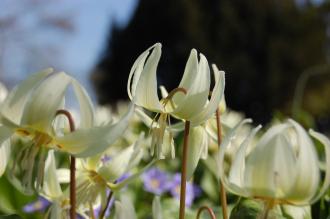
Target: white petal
{"points": [[163, 91], [271, 165], [13, 105], [197, 94], [221, 161], [125, 209], [189, 75], [40, 109], [197, 143], [299, 212], [51, 185], [121, 163], [135, 72], [326, 144], [63, 175], [146, 89], [217, 95], [156, 208], [236, 174], [4, 155], [85, 105], [308, 173], [89, 142]]}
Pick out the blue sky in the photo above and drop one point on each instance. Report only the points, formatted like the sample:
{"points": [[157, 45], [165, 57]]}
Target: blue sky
{"points": [[78, 51]]}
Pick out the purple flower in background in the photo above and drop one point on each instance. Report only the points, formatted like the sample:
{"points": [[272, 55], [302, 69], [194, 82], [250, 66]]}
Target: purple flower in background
{"points": [[40, 205], [155, 181], [192, 191]]}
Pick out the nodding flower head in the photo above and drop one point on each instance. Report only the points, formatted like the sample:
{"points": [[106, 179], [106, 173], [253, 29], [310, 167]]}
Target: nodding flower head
{"points": [[282, 167], [29, 112], [189, 101]]}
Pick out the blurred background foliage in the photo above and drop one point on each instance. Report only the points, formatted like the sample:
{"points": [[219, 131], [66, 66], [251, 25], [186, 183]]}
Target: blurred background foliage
{"points": [[264, 46]]}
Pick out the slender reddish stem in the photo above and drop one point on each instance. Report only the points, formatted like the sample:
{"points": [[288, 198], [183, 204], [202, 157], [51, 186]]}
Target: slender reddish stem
{"points": [[223, 198], [72, 167], [106, 205], [208, 209], [184, 171]]}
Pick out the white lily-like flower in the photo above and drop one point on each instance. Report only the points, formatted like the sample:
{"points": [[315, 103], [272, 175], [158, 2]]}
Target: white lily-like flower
{"points": [[94, 174], [281, 168], [29, 112], [189, 102]]}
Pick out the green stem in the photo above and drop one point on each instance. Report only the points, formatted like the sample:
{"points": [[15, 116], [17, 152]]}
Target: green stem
{"points": [[184, 171], [223, 197]]}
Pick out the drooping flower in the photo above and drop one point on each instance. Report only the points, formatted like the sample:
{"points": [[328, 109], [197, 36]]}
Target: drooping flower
{"points": [[189, 101], [281, 168], [28, 113], [156, 181]]}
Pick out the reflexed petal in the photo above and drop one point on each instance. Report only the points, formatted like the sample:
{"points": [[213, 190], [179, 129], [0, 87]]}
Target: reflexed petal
{"points": [[271, 165], [221, 161], [4, 155], [146, 88], [89, 142], [135, 72], [197, 144], [326, 143], [308, 174], [157, 208], [45, 100], [189, 75], [217, 95], [85, 104], [125, 209], [12, 107], [51, 184], [197, 94], [236, 174]]}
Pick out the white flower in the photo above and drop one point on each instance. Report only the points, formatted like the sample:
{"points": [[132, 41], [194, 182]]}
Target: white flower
{"points": [[189, 102], [29, 112], [282, 168]]}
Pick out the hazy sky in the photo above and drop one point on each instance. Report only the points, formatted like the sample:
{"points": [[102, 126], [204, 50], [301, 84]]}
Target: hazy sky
{"points": [[28, 47]]}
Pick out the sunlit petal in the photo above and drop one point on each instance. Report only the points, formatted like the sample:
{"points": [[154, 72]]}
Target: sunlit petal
{"points": [[39, 111], [217, 95], [85, 105], [197, 94], [89, 142], [13, 105], [146, 89]]}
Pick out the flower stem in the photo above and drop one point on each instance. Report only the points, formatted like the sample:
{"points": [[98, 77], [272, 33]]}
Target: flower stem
{"points": [[106, 205], [208, 209], [223, 198], [72, 166], [184, 171]]}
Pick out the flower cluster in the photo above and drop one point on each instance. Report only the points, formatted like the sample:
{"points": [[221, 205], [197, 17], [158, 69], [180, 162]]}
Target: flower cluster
{"points": [[284, 169]]}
